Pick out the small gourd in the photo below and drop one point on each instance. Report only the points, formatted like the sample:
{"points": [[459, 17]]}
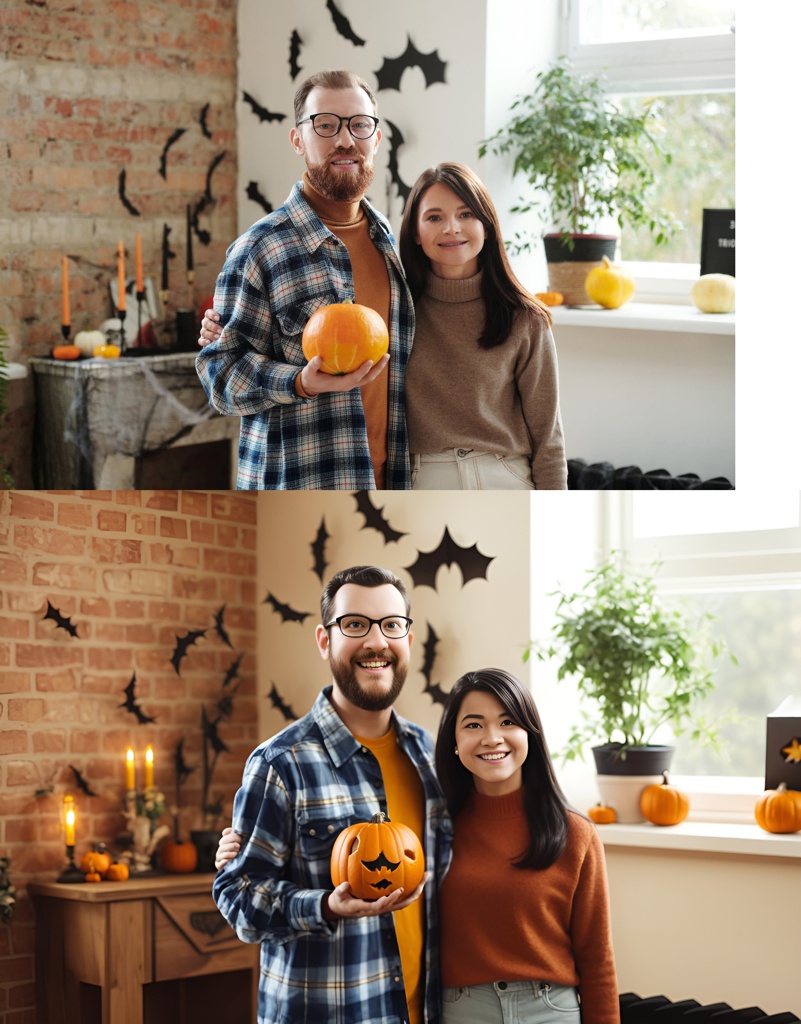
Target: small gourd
{"points": [[550, 298], [88, 341], [96, 860], [66, 352], [609, 285], [377, 857], [93, 876], [107, 351], [779, 810], [117, 873], [714, 293], [663, 804], [344, 335], [602, 815]]}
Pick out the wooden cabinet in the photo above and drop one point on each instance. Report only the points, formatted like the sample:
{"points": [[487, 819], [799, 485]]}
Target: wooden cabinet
{"points": [[145, 951]]}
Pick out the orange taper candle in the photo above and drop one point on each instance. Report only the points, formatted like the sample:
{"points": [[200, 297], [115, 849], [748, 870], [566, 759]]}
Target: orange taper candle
{"points": [[121, 277], [140, 281], [65, 293]]}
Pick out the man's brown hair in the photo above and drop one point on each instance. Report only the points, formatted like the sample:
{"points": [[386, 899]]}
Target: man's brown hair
{"points": [[330, 80]]}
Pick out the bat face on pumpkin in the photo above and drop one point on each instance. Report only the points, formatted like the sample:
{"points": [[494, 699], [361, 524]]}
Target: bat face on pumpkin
{"points": [[377, 857]]}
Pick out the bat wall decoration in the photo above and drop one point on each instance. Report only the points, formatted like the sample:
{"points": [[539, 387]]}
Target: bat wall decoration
{"points": [[81, 782], [131, 705], [61, 621], [202, 121], [219, 627], [182, 645], [172, 139], [434, 690], [254, 193], [126, 202], [318, 550], [472, 563], [396, 140], [342, 24], [261, 112], [232, 672], [182, 769], [391, 71], [287, 613], [295, 43], [207, 199], [278, 702], [374, 518]]}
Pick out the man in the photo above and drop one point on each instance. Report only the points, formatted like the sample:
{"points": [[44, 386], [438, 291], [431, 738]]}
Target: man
{"points": [[302, 428], [326, 955]]}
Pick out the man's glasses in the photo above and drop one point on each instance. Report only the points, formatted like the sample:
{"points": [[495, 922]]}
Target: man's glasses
{"points": [[361, 126], [394, 627]]}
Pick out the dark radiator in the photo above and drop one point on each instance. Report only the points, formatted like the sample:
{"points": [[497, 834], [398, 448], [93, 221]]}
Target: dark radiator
{"points": [[603, 476], [660, 1010]]}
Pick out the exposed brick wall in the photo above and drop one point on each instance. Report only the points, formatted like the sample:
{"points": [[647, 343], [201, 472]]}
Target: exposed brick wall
{"points": [[132, 570], [88, 90]]}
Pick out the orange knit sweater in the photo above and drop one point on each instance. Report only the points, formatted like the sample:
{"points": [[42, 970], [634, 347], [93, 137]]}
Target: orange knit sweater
{"points": [[501, 923]]}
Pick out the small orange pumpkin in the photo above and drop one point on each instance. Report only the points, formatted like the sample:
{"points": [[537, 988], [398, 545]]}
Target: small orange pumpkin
{"points": [[97, 860], [117, 873], [178, 858], [550, 298], [779, 810], [93, 876], [66, 352], [344, 335], [663, 804], [377, 857], [602, 815]]}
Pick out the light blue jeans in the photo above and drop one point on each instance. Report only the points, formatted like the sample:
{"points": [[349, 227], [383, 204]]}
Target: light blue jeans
{"points": [[511, 1002], [465, 469]]}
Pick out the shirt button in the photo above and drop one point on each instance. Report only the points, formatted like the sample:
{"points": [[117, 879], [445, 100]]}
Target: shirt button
{"points": [[461, 452], [330, 828], [501, 984], [397, 978], [312, 832]]}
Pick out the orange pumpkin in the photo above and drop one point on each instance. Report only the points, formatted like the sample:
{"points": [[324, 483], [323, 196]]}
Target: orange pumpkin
{"points": [[66, 352], [344, 335], [96, 860], [377, 857], [663, 804], [602, 815], [779, 810], [117, 873], [178, 858], [93, 876], [550, 298]]}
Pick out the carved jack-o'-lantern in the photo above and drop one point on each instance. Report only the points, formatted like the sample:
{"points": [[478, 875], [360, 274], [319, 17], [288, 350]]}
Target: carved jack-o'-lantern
{"points": [[377, 857]]}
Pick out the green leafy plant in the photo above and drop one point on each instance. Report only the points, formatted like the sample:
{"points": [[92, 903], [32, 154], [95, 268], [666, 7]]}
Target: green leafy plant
{"points": [[591, 158], [641, 664]]}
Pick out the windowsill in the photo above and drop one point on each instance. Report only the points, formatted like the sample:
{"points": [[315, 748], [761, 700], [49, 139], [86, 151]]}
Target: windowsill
{"points": [[704, 837], [646, 316]]}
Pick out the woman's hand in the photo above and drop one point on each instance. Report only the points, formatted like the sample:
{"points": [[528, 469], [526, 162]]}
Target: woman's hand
{"points": [[228, 847]]}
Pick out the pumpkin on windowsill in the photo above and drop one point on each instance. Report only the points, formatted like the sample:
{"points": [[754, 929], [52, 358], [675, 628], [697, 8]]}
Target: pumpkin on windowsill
{"points": [[663, 804], [345, 335], [602, 815], [377, 857], [779, 810]]}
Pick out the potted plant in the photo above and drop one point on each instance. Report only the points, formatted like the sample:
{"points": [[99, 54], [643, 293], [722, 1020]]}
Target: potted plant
{"points": [[640, 665], [593, 160]]}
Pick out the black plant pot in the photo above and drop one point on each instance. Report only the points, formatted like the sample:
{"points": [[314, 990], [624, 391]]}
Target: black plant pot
{"points": [[206, 841], [568, 267], [615, 759]]}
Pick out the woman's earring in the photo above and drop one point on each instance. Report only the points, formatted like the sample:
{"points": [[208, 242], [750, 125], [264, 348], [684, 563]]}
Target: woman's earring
{"points": [[456, 751]]}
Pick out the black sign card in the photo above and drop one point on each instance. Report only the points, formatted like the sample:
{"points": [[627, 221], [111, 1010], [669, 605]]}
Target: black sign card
{"points": [[717, 242]]}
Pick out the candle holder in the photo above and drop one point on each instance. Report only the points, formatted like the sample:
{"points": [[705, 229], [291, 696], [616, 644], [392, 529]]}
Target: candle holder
{"points": [[121, 316], [65, 332], [142, 811], [71, 872], [140, 298]]}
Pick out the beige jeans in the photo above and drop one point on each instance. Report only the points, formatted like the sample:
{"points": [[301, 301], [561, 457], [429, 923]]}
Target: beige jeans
{"points": [[465, 469]]}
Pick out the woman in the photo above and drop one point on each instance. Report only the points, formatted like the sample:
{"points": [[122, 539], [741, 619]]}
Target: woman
{"points": [[524, 909]]}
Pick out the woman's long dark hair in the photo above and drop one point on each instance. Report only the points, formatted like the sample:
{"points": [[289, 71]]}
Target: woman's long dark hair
{"points": [[545, 805], [504, 296]]}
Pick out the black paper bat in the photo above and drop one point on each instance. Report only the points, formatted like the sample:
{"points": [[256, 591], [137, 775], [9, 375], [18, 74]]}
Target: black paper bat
{"points": [[126, 202], [374, 518], [81, 782], [470, 560], [173, 138], [381, 861], [254, 192], [342, 25], [61, 621], [182, 645], [219, 628], [287, 613], [207, 199], [182, 769], [130, 703], [390, 73], [202, 120], [396, 140], [434, 690], [261, 112], [295, 43], [278, 702], [318, 550], [210, 733], [233, 670]]}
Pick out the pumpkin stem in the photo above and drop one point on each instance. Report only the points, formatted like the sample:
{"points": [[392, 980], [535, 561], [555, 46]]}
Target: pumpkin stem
{"points": [[665, 779], [379, 817], [782, 787]]}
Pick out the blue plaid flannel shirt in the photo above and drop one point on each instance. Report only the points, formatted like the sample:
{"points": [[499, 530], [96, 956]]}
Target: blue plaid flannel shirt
{"points": [[299, 790], [279, 272]]}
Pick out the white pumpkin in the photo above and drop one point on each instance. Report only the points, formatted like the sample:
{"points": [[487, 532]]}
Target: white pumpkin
{"points": [[87, 341], [714, 293]]}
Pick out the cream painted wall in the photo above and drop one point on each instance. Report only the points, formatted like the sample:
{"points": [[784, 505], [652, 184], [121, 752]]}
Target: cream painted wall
{"points": [[482, 623], [707, 927]]}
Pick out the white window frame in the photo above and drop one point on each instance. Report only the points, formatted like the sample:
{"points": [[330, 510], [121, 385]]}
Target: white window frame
{"points": [[697, 60]]}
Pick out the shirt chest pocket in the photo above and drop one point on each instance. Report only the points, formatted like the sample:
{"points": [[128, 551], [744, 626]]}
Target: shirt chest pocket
{"points": [[292, 318], [316, 838]]}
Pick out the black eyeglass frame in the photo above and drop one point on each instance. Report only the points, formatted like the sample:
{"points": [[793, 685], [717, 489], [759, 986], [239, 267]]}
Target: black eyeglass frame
{"points": [[371, 623], [346, 120]]}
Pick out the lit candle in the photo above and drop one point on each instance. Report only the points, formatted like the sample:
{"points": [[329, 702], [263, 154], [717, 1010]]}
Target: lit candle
{"points": [[69, 820], [149, 768], [120, 277], [189, 264], [130, 773], [65, 293], [140, 281]]}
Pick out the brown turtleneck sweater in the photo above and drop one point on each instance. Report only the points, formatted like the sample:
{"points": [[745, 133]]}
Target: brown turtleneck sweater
{"points": [[371, 288], [503, 400]]}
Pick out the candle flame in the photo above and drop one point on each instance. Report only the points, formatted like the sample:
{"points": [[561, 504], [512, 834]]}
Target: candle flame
{"points": [[149, 755]]}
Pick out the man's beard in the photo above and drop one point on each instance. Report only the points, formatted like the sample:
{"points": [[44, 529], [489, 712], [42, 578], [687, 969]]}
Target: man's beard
{"points": [[343, 187], [345, 677]]}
